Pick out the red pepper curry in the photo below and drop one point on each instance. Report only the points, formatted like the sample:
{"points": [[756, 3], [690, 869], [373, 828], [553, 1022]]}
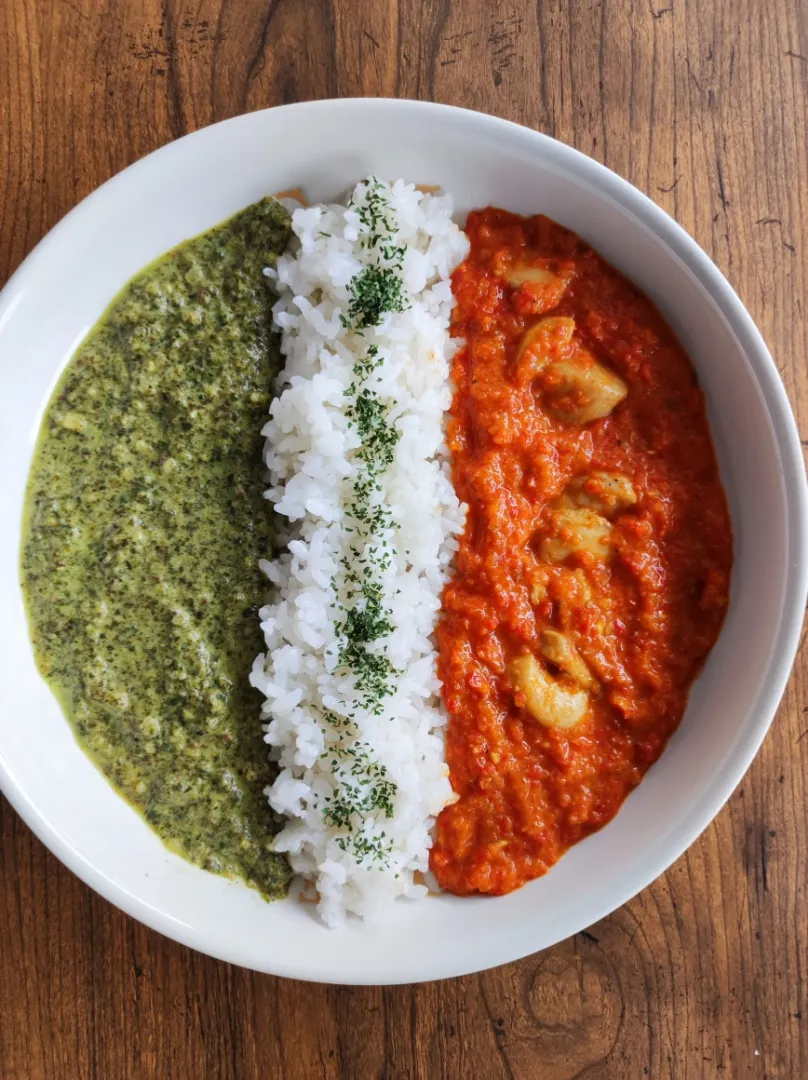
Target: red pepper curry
{"points": [[592, 577]]}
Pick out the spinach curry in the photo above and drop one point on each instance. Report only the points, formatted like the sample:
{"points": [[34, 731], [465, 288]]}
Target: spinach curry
{"points": [[145, 522]]}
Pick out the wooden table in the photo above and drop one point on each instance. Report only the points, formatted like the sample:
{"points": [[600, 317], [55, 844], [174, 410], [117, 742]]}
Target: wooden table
{"points": [[703, 105]]}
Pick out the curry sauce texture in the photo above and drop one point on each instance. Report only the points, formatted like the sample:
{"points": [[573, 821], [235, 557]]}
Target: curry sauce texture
{"points": [[593, 573], [145, 523]]}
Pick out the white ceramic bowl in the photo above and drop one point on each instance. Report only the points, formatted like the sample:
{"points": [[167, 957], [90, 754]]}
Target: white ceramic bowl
{"points": [[324, 147]]}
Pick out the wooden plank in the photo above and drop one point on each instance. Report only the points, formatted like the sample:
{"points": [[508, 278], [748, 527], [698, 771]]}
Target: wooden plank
{"points": [[703, 105]]}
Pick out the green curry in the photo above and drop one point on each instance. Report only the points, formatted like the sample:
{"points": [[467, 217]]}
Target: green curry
{"points": [[144, 527]]}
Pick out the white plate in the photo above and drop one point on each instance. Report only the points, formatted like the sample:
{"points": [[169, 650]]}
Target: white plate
{"points": [[324, 147]]}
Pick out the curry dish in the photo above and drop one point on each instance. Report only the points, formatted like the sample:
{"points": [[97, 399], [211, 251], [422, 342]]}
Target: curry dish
{"points": [[144, 528], [593, 574], [324, 593]]}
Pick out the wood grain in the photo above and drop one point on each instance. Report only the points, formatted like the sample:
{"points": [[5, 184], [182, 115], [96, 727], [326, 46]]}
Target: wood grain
{"points": [[704, 105]]}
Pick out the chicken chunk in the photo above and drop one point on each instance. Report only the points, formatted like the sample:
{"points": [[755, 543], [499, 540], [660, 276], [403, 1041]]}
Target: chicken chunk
{"points": [[537, 275], [583, 390], [546, 700], [540, 344], [560, 650], [574, 530], [603, 492]]}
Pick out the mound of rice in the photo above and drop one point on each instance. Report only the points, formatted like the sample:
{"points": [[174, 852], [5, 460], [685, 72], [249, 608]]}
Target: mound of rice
{"points": [[358, 466]]}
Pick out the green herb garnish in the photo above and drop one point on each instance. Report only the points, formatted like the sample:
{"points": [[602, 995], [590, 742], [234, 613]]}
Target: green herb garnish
{"points": [[375, 291]]}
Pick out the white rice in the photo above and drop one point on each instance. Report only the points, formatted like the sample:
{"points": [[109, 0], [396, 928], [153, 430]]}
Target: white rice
{"points": [[360, 836]]}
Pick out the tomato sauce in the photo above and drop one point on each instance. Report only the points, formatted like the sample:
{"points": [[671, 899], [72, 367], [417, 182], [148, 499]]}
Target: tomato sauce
{"points": [[616, 608]]}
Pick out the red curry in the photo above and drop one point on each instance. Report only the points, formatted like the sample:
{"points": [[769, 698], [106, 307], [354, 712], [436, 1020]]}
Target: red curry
{"points": [[592, 577]]}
